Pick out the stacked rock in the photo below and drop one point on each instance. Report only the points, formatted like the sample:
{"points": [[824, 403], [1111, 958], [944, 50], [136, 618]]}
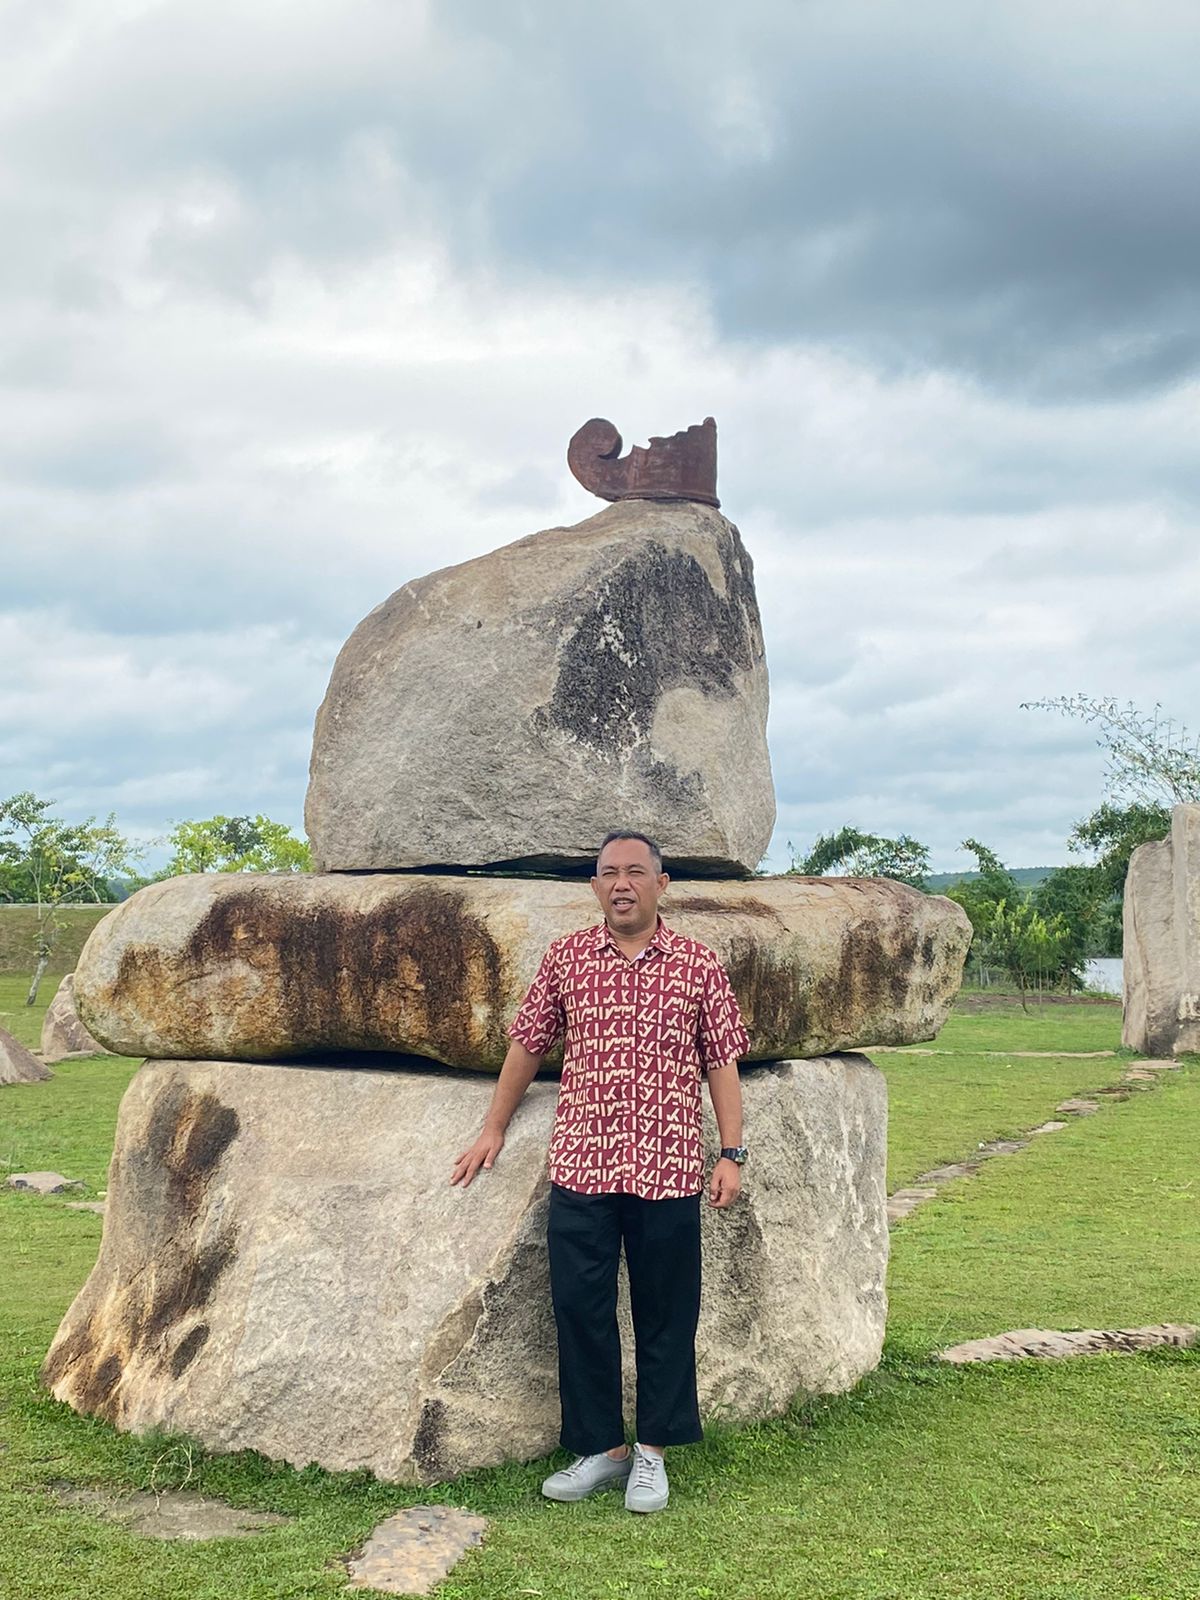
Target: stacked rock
{"points": [[285, 1266]]}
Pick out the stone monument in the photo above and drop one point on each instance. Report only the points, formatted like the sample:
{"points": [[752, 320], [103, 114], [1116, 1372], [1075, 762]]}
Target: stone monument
{"points": [[285, 1266], [1162, 941]]}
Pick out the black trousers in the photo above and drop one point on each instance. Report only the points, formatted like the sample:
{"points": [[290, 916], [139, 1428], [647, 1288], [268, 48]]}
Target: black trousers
{"points": [[662, 1253]]}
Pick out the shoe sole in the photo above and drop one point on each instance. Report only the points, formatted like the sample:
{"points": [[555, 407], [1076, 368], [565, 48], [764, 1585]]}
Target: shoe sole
{"points": [[658, 1505], [583, 1494]]}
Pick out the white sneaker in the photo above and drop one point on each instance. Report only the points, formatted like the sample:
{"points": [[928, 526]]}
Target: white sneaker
{"points": [[648, 1489], [585, 1475]]}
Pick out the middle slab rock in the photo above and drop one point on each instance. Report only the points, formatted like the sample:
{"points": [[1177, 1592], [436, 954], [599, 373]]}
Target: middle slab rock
{"points": [[260, 966]]}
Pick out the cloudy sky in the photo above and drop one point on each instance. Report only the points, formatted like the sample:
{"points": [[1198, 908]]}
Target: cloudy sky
{"points": [[302, 298]]}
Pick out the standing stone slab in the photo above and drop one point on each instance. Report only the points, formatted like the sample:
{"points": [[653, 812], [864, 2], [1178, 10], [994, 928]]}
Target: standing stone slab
{"points": [[1162, 941], [18, 1065], [286, 1268], [260, 966], [513, 709], [63, 1034]]}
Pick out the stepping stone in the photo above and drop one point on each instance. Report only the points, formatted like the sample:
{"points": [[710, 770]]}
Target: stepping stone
{"points": [[1078, 1108], [86, 1205], [905, 1201], [43, 1182], [1139, 1075], [1048, 1127], [953, 1169], [1002, 1147], [411, 1552], [171, 1514], [1052, 1344]]}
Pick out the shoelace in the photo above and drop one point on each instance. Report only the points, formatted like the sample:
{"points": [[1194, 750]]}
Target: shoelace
{"points": [[644, 1475]]}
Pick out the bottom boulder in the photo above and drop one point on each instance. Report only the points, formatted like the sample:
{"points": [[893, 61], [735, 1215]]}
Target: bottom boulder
{"points": [[286, 1268]]}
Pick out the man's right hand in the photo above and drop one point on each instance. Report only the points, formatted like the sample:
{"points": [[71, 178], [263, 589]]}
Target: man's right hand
{"points": [[481, 1154]]}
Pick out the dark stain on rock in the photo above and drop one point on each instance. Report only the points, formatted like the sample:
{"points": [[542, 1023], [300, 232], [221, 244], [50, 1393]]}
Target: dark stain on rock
{"points": [[188, 1348], [770, 996], [67, 1351], [102, 1380], [159, 1195], [873, 979], [653, 623], [429, 1440], [414, 965], [705, 906]]}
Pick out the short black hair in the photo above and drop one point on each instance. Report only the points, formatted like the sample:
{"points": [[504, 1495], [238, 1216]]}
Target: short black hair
{"points": [[629, 833]]}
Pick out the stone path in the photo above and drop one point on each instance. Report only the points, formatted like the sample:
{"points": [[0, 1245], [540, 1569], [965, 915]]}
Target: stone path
{"points": [[1047, 1344], [171, 1514], [411, 1552], [903, 1202]]}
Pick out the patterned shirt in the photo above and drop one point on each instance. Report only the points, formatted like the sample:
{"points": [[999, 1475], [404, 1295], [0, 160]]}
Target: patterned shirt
{"points": [[638, 1035]]}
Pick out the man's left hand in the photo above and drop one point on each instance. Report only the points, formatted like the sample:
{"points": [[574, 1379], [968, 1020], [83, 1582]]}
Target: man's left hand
{"points": [[726, 1183]]}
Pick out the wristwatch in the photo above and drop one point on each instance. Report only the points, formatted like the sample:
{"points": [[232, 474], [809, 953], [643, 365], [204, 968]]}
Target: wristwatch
{"points": [[736, 1152]]}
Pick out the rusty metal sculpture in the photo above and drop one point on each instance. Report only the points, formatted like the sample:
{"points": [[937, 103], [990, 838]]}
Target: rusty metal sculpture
{"points": [[683, 467]]}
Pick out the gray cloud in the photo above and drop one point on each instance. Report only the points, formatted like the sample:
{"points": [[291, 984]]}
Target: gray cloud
{"points": [[297, 304]]}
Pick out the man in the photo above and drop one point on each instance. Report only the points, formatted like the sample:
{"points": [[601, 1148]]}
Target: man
{"points": [[646, 1011]]}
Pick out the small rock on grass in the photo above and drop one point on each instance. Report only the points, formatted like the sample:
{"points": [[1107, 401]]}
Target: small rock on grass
{"points": [[411, 1552], [43, 1182]]}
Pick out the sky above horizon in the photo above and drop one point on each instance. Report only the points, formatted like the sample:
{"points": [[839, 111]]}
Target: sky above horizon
{"points": [[300, 302]]}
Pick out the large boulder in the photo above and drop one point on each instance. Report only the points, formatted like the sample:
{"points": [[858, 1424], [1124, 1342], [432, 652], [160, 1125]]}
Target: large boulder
{"points": [[63, 1034], [17, 1064], [511, 710], [1162, 941], [260, 967], [286, 1268]]}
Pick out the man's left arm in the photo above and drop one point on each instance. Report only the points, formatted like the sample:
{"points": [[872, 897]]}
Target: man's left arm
{"points": [[725, 1092], [722, 1039]]}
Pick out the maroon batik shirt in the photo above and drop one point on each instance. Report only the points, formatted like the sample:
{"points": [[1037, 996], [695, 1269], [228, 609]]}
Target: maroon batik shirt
{"points": [[638, 1036]]}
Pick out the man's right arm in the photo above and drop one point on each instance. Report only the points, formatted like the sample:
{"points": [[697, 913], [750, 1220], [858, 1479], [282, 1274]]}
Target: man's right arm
{"points": [[517, 1073]]}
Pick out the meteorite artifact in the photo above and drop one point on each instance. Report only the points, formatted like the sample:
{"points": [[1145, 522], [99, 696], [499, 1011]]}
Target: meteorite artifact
{"points": [[681, 467]]}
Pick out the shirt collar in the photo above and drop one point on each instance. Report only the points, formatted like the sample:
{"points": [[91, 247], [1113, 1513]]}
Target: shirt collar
{"points": [[663, 938]]}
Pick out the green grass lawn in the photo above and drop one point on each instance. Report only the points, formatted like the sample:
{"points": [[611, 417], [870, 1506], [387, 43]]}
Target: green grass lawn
{"points": [[1067, 1481], [1079, 1025]]}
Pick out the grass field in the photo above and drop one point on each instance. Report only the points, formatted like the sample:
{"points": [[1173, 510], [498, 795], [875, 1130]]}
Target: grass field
{"points": [[1064, 1481]]}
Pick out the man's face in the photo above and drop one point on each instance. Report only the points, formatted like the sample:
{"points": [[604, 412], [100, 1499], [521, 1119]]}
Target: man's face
{"points": [[628, 887]]}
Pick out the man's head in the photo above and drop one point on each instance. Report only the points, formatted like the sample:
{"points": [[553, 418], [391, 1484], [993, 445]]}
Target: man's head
{"points": [[629, 881]]}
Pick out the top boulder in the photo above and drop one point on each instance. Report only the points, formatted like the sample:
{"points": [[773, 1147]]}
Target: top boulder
{"points": [[509, 711]]}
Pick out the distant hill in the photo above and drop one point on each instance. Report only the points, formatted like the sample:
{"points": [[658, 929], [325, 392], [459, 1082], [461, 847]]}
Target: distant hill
{"points": [[1026, 877]]}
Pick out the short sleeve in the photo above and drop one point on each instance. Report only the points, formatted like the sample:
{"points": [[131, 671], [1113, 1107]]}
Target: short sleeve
{"points": [[540, 1019], [721, 1035]]}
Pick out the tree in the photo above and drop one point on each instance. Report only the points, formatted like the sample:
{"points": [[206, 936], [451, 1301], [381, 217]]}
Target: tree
{"points": [[235, 844], [865, 855], [1027, 947], [995, 881], [51, 863], [1153, 763], [1079, 898], [1151, 758]]}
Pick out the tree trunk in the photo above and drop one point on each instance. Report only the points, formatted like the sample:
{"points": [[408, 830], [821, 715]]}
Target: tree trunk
{"points": [[38, 975]]}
